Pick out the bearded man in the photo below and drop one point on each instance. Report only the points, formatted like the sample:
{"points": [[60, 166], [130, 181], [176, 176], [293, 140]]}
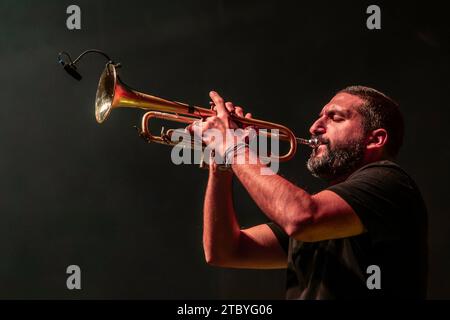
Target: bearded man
{"points": [[365, 236]]}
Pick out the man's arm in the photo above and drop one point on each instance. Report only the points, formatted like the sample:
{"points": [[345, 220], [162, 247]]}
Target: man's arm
{"points": [[224, 243], [302, 216]]}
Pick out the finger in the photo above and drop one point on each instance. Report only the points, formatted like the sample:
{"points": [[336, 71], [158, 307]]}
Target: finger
{"points": [[248, 115], [189, 128], [218, 101], [203, 129], [230, 106], [195, 126], [208, 123], [239, 111]]}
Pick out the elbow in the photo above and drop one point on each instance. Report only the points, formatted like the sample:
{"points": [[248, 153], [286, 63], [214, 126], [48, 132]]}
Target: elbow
{"points": [[216, 260], [210, 260], [299, 229], [219, 256], [300, 223], [210, 257], [214, 256]]}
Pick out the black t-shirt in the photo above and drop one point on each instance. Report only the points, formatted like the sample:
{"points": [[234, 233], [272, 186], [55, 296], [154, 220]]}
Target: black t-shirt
{"points": [[394, 215]]}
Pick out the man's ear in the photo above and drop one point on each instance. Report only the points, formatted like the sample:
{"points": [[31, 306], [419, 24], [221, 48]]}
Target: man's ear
{"points": [[377, 139]]}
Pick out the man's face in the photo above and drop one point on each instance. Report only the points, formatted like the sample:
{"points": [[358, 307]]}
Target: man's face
{"points": [[340, 130]]}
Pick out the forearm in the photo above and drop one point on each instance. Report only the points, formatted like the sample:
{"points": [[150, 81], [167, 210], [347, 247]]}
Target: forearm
{"points": [[283, 202], [220, 226]]}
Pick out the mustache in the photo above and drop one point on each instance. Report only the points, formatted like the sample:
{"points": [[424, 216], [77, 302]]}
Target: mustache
{"points": [[321, 140]]}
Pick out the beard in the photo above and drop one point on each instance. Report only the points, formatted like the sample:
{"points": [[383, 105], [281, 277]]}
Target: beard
{"points": [[336, 162]]}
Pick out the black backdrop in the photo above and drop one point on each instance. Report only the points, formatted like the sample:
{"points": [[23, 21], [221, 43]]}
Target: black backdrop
{"points": [[75, 192]]}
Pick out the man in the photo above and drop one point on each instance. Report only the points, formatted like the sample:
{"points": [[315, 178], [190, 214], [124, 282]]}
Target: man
{"points": [[365, 236]]}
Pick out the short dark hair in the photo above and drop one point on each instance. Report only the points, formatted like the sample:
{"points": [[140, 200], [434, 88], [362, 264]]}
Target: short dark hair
{"points": [[380, 111]]}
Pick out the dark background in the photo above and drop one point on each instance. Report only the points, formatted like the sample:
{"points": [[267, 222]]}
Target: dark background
{"points": [[75, 192]]}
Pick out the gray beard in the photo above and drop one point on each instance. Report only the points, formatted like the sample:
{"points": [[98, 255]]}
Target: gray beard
{"points": [[337, 163]]}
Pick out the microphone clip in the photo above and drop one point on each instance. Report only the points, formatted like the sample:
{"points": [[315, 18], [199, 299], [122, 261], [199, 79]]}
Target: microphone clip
{"points": [[70, 66]]}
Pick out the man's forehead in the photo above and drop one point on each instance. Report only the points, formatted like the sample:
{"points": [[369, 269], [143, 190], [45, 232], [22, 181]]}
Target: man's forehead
{"points": [[343, 102]]}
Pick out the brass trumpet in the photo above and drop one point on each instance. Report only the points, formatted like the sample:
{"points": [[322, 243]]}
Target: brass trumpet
{"points": [[113, 93]]}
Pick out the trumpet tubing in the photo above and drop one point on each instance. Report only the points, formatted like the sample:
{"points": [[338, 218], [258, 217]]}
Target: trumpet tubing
{"points": [[112, 93]]}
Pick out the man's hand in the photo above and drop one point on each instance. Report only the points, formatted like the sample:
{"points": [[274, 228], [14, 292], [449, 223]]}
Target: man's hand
{"points": [[215, 131]]}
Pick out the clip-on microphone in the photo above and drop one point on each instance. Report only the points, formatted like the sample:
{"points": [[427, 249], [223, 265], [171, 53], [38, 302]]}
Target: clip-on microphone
{"points": [[71, 67]]}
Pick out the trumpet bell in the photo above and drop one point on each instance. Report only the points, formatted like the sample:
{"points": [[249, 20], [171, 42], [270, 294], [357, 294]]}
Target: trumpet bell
{"points": [[105, 93], [113, 93]]}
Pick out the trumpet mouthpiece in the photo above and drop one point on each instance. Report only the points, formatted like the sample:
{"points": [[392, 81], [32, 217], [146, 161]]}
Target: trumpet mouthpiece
{"points": [[314, 142]]}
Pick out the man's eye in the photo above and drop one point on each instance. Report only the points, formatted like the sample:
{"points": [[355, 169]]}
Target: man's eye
{"points": [[337, 118]]}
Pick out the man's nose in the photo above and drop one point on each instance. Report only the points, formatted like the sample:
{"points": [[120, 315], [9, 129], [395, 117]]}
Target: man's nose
{"points": [[317, 128]]}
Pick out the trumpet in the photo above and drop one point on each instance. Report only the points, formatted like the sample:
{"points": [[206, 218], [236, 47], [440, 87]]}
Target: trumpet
{"points": [[112, 93]]}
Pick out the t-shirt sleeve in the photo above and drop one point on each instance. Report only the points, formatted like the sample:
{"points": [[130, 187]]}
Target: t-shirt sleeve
{"points": [[379, 195], [282, 237]]}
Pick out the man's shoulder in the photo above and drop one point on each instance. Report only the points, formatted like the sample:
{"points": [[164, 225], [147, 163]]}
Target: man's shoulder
{"points": [[383, 169], [384, 178], [381, 164], [380, 180]]}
